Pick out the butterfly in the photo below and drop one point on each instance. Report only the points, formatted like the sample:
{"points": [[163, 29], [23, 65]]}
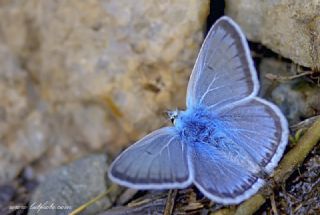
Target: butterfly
{"points": [[226, 141]]}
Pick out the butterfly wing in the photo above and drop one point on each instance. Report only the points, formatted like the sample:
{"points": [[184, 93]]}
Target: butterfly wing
{"points": [[157, 161], [220, 179], [259, 127], [255, 132], [224, 71]]}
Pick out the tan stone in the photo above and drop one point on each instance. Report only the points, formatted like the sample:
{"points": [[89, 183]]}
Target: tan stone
{"points": [[94, 74], [290, 28]]}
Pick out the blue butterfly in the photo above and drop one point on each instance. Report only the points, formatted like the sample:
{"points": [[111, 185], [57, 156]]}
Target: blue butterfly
{"points": [[225, 142]]}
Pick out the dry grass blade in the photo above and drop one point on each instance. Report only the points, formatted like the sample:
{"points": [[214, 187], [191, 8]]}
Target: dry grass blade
{"points": [[170, 202]]}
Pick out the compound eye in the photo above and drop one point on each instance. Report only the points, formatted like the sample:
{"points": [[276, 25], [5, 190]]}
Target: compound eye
{"points": [[172, 115], [172, 119]]}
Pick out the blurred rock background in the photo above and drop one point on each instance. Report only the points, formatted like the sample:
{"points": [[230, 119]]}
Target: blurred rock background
{"points": [[290, 28], [85, 77]]}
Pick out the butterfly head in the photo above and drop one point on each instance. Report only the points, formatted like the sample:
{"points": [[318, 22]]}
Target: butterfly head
{"points": [[173, 115]]}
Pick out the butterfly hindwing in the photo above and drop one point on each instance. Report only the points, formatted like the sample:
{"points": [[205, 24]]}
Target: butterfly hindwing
{"points": [[259, 128], [221, 179], [157, 161], [224, 70]]}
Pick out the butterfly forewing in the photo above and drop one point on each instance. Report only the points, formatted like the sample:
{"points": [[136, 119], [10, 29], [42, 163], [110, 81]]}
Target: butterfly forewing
{"points": [[224, 71], [157, 161]]}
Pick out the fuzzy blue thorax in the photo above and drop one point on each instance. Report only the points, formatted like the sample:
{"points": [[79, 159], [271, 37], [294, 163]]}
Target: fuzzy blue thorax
{"points": [[196, 125]]}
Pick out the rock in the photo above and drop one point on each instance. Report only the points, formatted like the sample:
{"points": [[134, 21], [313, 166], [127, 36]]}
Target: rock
{"points": [[7, 193], [70, 186], [75, 130], [27, 143], [78, 77], [115, 50], [22, 130], [290, 28], [298, 98]]}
